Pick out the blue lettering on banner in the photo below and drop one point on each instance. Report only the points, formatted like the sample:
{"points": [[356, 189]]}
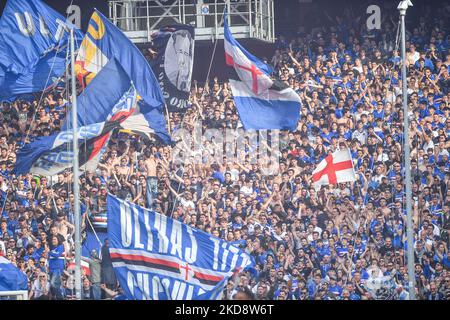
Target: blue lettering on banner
{"points": [[86, 132], [52, 159]]}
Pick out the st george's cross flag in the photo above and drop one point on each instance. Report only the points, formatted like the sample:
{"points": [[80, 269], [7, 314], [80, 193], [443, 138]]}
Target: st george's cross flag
{"points": [[336, 168], [263, 102], [156, 257]]}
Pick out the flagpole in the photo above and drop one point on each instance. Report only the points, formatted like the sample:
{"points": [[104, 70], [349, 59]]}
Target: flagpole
{"points": [[402, 7], [76, 187], [168, 118]]}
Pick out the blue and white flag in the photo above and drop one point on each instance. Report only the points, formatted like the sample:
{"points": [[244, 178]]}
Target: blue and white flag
{"points": [[11, 278], [49, 155], [94, 241], [103, 42], [159, 258], [33, 44], [43, 76], [262, 102], [95, 103]]}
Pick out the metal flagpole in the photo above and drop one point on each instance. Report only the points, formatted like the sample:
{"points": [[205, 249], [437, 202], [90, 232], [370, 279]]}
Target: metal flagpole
{"points": [[76, 187], [402, 7]]}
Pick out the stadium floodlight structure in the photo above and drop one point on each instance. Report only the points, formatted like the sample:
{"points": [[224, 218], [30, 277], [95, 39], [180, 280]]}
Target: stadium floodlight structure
{"points": [[402, 7], [138, 19]]}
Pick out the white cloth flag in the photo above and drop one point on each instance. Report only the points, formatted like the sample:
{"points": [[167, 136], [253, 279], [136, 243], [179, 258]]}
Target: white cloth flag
{"points": [[336, 168]]}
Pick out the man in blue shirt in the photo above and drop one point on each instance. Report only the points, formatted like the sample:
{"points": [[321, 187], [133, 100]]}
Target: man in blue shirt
{"points": [[423, 109], [359, 247], [334, 287], [12, 222], [31, 253], [379, 112], [358, 268], [56, 262], [313, 285]]}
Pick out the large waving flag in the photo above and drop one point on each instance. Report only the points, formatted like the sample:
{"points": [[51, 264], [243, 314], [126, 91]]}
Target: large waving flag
{"points": [[103, 42], [94, 104], [44, 75], [49, 155], [33, 44], [336, 168], [262, 102], [159, 258]]}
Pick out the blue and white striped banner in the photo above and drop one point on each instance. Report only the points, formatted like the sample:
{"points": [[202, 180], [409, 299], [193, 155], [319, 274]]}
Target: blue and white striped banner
{"points": [[159, 258]]}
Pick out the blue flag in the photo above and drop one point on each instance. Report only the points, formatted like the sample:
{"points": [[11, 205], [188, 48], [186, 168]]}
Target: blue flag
{"points": [[11, 278], [43, 155], [103, 42], [29, 29], [159, 258], [93, 241], [95, 103], [33, 44], [44, 75], [263, 103], [49, 155], [110, 93]]}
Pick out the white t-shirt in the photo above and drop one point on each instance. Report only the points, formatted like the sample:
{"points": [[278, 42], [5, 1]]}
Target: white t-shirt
{"points": [[428, 145], [378, 178], [234, 174], [187, 203], [38, 290], [2, 248], [246, 190]]}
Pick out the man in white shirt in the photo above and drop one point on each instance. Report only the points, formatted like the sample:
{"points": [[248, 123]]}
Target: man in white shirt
{"points": [[360, 133], [247, 188]]}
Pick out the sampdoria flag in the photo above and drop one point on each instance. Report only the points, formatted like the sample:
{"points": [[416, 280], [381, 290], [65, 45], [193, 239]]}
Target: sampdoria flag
{"points": [[262, 102], [159, 258], [105, 89], [49, 155], [33, 47], [95, 103], [103, 42], [337, 167]]}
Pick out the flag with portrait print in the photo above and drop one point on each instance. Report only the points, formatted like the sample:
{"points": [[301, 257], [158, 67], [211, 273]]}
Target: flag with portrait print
{"points": [[173, 48]]}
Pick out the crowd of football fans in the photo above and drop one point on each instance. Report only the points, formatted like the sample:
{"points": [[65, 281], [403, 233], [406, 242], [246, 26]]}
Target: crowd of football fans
{"points": [[345, 242]]}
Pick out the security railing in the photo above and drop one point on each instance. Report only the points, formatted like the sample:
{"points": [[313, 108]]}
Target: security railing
{"points": [[247, 18]]}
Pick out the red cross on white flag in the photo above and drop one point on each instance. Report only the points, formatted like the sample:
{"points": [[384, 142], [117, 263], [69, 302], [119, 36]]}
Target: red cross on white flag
{"points": [[337, 167]]}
